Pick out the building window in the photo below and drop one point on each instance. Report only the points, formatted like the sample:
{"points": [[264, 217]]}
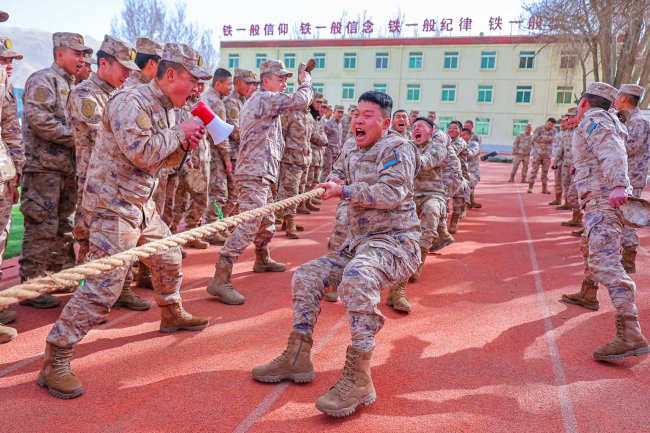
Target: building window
{"points": [[348, 91], [319, 87], [290, 88], [413, 92], [564, 95], [524, 94], [526, 59], [290, 61], [319, 58], [350, 61], [444, 122], [259, 58], [381, 61], [451, 60], [567, 60], [233, 61], [448, 93], [482, 126], [488, 59], [485, 93], [519, 126], [383, 88], [415, 60]]}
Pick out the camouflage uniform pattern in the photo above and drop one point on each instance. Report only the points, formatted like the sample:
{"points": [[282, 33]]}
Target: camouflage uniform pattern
{"points": [[318, 145], [12, 135], [638, 155], [600, 159], [49, 186], [12, 159], [521, 154], [542, 143], [382, 247], [473, 162], [334, 132], [85, 108], [346, 128], [297, 131], [570, 193], [557, 155], [462, 194], [260, 153], [135, 79]]}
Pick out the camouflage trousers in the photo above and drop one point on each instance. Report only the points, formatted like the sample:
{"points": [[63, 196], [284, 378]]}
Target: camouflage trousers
{"points": [[165, 202], [291, 175], [557, 179], [48, 202], [570, 192], [80, 230], [313, 177], [629, 237], [430, 209], [91, 302], [474, 175], [542, 161], [360, 276], [522, 159], [6, 204], [341, 230], [254, 192], [188, 205], [329, 156], [221, 189], [601, 249]]}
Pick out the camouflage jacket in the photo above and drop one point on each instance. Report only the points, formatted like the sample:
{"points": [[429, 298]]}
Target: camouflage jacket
{"points": [[213, 100], [12, 136], [47, 135], [567, 156], [405, 135], [379, 183], [233, 104], [460, 146], [261, 141], [85, 108], [452, 173], [543, 141], [297, 131], [318, 141], [346, 129], [557, 151], [599, 155], [638, 148], [473, 155], [136, 78], [334, 132], [138, 133], [433, 157], [523, 144]]}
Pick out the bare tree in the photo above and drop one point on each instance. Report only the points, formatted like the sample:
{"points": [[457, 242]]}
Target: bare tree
{"points": [[152, 19]]}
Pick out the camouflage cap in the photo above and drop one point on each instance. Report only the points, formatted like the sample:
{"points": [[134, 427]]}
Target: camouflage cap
{"points": [[415, 113], [318, 97], [189, 58], [632, 89], [352, 107], [251, 77], [122, 51], [246, 75], [602, 89], [70, 40], [4, 16], [431, 113], [274, 67], [572, 111], [88, 58], [339, 108], [636, 212], [149, 47], [6, 49]]}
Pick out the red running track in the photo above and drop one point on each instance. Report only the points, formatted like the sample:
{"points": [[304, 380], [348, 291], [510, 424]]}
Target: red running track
{"points": [[488, 347]]}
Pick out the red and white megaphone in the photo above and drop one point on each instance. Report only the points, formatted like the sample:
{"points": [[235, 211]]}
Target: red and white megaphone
{"points": [[217, 128]]}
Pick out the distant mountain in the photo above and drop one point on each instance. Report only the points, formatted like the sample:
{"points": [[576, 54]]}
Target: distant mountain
{"points": [[36, 47]]}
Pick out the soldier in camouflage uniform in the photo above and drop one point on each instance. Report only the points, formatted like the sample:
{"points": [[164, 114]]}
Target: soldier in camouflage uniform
{"points": [[86, 70], [556, 162], [376, 178], [85, 109], [431, 115], [638, 155], [521, 153], [334, 131], [473, 164], [603, 185], [148, 55], [318, 143], [400, 124], [347, 123], [49, 185], [542, 142], [220, 155], [414, 114], [461, 197], [139, 135], [568, 186], [261, 148]]}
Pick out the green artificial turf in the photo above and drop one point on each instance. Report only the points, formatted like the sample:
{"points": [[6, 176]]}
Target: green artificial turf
{"points": [[15, 241]]}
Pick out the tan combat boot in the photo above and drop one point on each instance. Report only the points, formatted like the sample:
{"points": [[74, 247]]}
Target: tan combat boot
{"points": [[400, 301], [331, 294], [391, 294], [221, 287], [629, 341], [143, 278], [557, 201], [353, 388], [216, 239], [7, 316], [264, 262], [453, 224], [309, 205], [317, 201], [575, 221], [7, 334], [293, 364], [545, 188], [128, 299], [302, 209], [629, 259], [290, 227], [174, 318], [418, 272], [564, 206], [587, 296], [278, 217], [474, 204], [530, 188], [56, 374], [512, 178], [444, 238], [42, 301], [578, 233]]}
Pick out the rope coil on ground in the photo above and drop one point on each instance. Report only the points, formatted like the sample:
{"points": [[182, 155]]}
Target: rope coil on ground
{"points": [[73, 276]]}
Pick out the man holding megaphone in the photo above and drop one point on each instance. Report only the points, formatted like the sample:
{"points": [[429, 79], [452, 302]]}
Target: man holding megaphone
{"points": [[138, 137], [260, 152]]}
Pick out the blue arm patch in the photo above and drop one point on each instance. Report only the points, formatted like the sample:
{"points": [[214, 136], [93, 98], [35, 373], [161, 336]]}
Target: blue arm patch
{"points": [[390, 163], [591, 127]]}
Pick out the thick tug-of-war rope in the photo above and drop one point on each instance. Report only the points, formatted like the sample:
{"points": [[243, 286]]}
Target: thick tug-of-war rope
{"points": [[74, 276]]}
